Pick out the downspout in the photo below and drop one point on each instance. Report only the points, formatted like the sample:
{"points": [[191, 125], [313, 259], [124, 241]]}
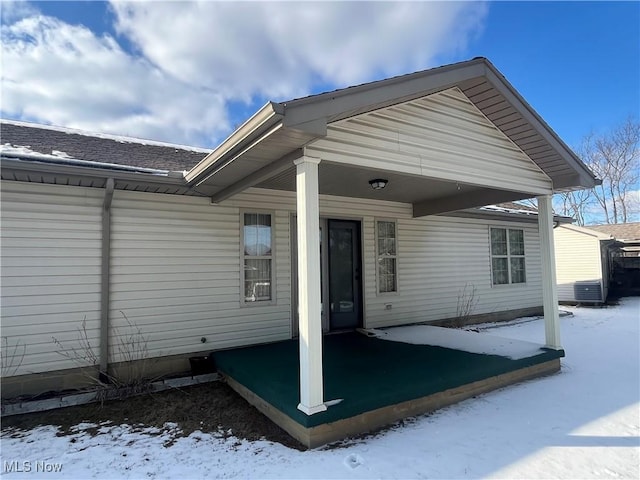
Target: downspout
{"points": [[104, 284]]}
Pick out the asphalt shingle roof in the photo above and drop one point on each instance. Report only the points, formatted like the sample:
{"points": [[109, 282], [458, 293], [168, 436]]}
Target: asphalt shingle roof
{"points": [[100, 148], [620, 231]]}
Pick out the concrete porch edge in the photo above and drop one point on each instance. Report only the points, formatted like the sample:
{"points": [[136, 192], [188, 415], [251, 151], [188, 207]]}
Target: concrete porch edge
{"points": [[319, 435]]}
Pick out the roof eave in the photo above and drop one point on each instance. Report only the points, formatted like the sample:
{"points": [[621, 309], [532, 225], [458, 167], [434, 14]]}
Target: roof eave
{"points": [[98, 171], [339, 104], [499, 81], [589, 232], [268, 116]]}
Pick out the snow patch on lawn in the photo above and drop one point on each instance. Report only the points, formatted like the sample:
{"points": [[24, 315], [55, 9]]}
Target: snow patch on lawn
{"points": [[456, 339]]}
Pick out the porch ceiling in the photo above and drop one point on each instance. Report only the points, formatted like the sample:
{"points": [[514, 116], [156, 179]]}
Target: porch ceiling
{"points": [[259, 153], [429, 196]]}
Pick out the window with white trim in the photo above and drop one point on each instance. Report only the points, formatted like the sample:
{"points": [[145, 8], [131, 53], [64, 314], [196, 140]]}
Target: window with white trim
{"points": [[507, 256], [257, 235], [387, 256]]}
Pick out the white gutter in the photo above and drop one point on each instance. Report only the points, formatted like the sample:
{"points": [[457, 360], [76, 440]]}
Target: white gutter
{"points": [[73, 162], [93, 170], [262, 120]]}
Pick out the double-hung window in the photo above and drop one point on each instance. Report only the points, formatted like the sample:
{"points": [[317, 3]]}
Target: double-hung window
{"points": [[507, 256], [387, 256], [257, 235]]}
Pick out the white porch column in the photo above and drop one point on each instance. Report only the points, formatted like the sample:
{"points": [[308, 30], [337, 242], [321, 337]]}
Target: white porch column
{"points": [[549, 284], [310, 322]]}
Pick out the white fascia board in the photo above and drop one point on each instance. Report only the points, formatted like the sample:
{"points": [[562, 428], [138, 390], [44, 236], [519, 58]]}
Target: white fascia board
{"points": [[500, 83], [587, 231], [264, 118], [336, 105]]}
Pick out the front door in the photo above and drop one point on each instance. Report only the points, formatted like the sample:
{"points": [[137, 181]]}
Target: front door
{"points": [[344, 272], [341, 268]]}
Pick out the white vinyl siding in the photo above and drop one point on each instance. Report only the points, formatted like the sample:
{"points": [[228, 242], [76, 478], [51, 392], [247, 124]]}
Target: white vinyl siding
{"points": [[441, 136], [176, 263], [578, 259], [176, 274], [438, 256], [50, 266]]}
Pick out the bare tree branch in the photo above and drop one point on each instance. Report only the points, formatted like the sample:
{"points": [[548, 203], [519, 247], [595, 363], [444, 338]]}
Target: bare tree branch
{"points": [[614, 157]]}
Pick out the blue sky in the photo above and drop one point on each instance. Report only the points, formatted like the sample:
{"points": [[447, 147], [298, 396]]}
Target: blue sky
{"points": [[189, 73]]}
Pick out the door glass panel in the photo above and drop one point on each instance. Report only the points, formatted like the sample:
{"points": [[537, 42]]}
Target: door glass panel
{"points": [[341, 270]]}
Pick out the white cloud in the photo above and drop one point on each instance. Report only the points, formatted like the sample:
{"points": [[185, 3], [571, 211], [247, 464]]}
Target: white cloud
{"points": [[57, 73], [12, 10], [192, 59], [280, 50]]}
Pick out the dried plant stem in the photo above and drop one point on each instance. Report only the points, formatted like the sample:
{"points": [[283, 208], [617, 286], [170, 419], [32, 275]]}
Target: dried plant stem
{"points": [[467, 302], [11, 357]]}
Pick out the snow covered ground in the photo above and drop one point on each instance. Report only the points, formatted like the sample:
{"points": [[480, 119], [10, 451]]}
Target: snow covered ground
{"points": [[581, 423]]}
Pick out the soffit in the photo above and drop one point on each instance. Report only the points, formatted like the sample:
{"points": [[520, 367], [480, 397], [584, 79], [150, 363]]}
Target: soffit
{"points": [[270, 149], [350, 181], [521, 132]]}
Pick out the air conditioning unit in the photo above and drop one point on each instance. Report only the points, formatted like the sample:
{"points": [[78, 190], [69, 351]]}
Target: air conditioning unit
{"points": [[587, 292]]}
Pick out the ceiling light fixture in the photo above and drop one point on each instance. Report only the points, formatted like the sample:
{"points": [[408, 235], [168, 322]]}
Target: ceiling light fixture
{"points": [[378, 183]]}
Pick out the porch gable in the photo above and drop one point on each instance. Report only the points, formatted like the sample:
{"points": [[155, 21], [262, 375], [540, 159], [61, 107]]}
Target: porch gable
{"points": [[442, 136]]}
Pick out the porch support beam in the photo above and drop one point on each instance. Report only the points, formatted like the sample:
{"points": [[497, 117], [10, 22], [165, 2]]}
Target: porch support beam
{"points": [[549, 285], [310, 321], [474, 198]]}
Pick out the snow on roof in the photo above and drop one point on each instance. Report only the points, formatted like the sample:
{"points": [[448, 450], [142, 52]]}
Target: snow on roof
{"points": [[107, 136], [21, 152], [98, 148], [511, 207], [17, 151]]}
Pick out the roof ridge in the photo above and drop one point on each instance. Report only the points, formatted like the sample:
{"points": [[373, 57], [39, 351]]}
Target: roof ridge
{"points": [[383, 81]]}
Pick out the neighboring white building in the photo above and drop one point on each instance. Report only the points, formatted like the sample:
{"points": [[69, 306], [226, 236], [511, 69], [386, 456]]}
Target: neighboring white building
{"points": [[203, 251], [583, 264], [608, 255]]}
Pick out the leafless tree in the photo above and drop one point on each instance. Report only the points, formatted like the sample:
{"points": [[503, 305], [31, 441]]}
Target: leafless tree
{"points": [[574, 204], [614, 157]]}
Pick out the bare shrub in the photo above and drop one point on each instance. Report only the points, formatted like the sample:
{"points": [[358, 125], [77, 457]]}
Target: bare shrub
{"points": [[467, 302], [132, 347], [11, 357]]}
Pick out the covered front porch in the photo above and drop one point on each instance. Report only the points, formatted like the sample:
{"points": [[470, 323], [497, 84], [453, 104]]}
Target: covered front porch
{"points": [[440, 142], [370, 382]]}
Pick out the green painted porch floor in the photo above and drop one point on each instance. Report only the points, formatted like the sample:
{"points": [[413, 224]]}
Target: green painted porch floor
{"points": [[367, 373]]}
